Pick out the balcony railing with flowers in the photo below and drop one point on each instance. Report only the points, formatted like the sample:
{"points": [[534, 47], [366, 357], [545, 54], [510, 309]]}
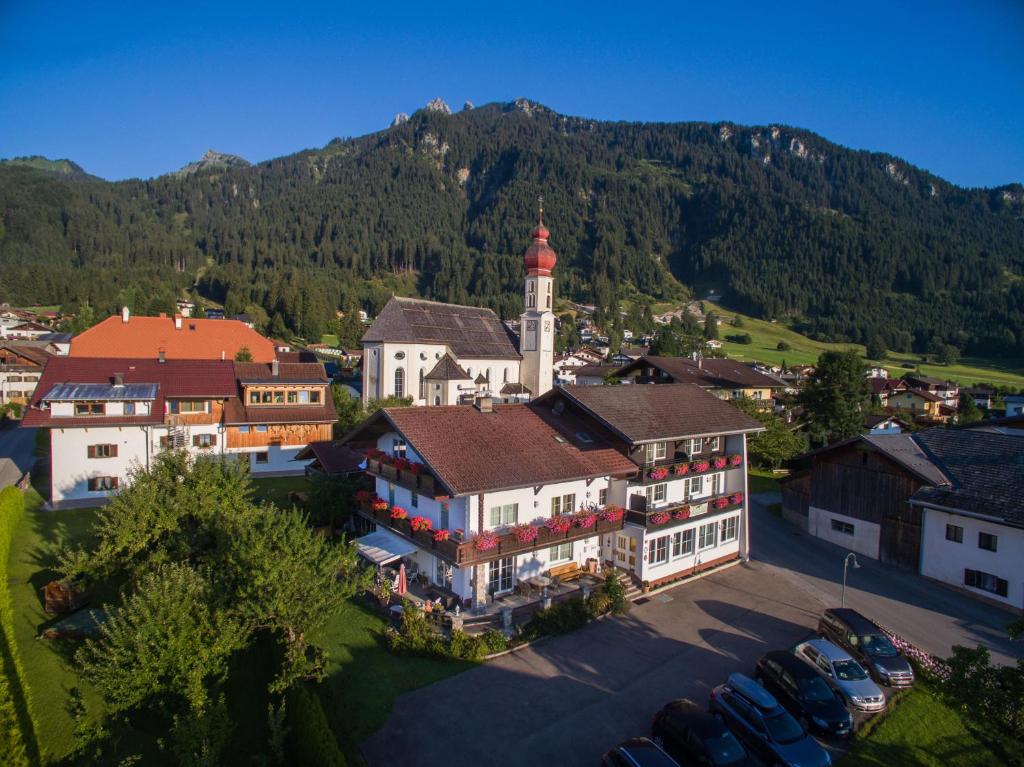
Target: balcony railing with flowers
{"points": [[667, 470], [455, 547], [401, 471], [664, 517]]}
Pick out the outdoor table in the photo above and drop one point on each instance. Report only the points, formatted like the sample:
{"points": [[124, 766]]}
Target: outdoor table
{"points": [[539, 581]]}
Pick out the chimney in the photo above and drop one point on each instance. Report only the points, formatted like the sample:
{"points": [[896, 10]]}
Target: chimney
{"points": [[125, 314], [161, 356], [275, 368], [118, 379], [177, 322], [223, 356], [484, 404]]}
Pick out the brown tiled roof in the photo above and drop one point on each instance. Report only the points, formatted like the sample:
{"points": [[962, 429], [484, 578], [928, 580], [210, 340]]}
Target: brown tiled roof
{"points": [[597, 369], [333, 457], [292, 372], [717, 373], [174, 379], [514, 388], [33, 353], [447, 369], [649, 412], [470, 331], [513, 446]]}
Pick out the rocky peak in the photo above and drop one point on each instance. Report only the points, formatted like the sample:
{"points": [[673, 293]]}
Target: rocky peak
{"points": [[400, 118], [468, 105], [213, 160], [438, 105]]}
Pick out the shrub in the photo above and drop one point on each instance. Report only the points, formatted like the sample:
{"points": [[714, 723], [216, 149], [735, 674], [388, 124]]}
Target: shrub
{"points": [[560, 618], [17, 728], [598, 604], [466, 647], [495, 641], [783, 346], [311, 743], [616, 593], [740, 338]]}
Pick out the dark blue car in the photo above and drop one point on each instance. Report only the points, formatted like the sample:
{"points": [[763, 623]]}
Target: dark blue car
{"points": [[804, 693], [764, 727]]}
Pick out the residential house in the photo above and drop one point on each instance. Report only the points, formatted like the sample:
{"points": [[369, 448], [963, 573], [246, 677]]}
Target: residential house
{"points": [[415, 347], [595, 374], [884, 424], [713, 343], [725, 378], [883, 388], [947, 391], [877, 373], [21, 365], [332, 458], [176, 338], [651, 480], [981, 395], [106, 415], [920, 404], [27, 331], [1014, 405]]}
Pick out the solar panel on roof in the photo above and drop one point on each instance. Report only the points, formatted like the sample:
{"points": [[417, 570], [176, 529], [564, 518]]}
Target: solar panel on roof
{"points": [[69, 392]]}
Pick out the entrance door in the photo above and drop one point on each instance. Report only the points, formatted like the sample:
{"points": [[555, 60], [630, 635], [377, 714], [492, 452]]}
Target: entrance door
{"points": [[625, 552], [443, 573], [500, 575]]}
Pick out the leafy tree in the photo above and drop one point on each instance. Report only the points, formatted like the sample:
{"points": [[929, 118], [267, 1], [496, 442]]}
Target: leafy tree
{"points": [[969, 410], [350, 328], [243, 355], [737, 321], [783, 346], [777, 444], [740, 338], [876, 348], [836, 397], [676, 340], [711, 326], [948, 354]]}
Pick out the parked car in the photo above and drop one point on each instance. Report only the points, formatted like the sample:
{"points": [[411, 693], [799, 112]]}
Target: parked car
{"points": [[804, 693], [694, 737], [843, 672], [638, 752], [765, 728], [867, 644]]}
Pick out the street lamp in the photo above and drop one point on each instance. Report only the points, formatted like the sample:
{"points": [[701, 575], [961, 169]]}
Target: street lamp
{"points": [[846, 563]]}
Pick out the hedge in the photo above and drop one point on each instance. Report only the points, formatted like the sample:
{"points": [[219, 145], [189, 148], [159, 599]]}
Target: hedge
{"points": [[311, 742], [17, 728]]}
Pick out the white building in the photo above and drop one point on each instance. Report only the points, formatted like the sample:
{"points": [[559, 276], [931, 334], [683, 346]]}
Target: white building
{"points": [[447, 354], [106, 416], [649, 479]]}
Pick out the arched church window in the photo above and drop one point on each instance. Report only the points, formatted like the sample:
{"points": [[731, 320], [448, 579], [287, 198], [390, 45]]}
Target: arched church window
{"points": [[423, 385], [399, 382]]}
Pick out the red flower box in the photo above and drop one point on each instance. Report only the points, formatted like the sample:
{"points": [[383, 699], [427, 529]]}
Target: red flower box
{"points": [[611, 514], [559, 524], [699, 467], [735, 459], [721, 462], [416, 467], [682, 513], [441, 535], [659, 518], [660, 473], [736, 498], [397, 512], [585, 519], [485, 540], [681, 469], [420, 523], [379, 505], [720, 503], [402, 463], [525, 533]]}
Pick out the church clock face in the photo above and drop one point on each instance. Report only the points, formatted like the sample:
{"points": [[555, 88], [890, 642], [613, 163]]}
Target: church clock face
{"points": [[547, 326]]}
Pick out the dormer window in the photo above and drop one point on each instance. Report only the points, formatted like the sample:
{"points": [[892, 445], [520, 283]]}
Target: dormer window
{"points": [[654, 452], [90, 408]]}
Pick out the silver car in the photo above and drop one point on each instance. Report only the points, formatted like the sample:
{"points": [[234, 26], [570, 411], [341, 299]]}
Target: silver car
{"points": [[845, 674]]}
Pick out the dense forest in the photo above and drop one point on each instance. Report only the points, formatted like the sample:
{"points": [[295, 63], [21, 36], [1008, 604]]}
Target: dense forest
{"points": [[846, 245]]}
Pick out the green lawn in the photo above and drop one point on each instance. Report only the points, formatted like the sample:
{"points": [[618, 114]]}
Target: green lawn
{"points": [[363, 677], [921, 731], [276, 489], [765, 337], [762, 481], [329, 338]]}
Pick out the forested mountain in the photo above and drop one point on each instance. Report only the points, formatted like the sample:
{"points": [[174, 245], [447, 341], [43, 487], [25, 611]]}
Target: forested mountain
{"points": [[847, 244]]}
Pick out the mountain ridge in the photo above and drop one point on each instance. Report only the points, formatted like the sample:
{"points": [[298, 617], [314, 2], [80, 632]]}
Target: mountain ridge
{"points": [[845, 244]]}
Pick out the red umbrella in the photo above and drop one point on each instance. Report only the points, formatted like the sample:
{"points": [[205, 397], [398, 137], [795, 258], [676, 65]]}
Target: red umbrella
{"points": [[403, 585]]}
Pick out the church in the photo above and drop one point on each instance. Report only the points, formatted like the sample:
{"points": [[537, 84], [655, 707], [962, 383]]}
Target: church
{"points": [[447, 354]]}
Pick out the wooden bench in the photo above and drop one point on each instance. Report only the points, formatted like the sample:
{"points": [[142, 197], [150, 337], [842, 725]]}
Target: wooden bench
{"points": [[567, 572]]}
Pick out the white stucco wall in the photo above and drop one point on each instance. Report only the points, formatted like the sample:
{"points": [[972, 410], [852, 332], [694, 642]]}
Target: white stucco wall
{"points": [[71, 468], [946, 560], [865, 538], [648, 571]]}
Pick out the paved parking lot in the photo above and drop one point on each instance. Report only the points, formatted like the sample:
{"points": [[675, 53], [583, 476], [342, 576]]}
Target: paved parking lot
{"points": [[564, 701]]}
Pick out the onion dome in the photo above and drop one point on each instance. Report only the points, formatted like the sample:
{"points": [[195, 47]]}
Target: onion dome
{"points": [[540, 258]]}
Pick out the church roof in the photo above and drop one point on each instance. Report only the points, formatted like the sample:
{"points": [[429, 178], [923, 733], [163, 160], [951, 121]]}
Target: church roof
{"points": [[515, 388], [471, 332], [480, 379], [447, 369]]}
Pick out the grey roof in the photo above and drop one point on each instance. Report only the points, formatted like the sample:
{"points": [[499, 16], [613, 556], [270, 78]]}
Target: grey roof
{"points": [[67, 392], [905, 451], [471, 332], [515, 388], [986, 470], [447, 369], [648, 413]]}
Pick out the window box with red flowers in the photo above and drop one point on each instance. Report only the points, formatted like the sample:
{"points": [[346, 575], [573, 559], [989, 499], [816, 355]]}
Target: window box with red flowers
{"points": [[699, 467], [611, 514], [659, 518], [736, 499], [681, 469], [584, 519], [420, 523], [525, 533], [721, 462], [559, 524], [719, 503], [485, 540], [440, 536], [682, 512], [397, 512], [379, 505], [659, 473], [735, 459]]}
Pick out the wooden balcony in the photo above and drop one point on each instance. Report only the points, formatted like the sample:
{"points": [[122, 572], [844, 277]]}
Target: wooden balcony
{"points": [[679, 513], [465, 553], [422, 482]]}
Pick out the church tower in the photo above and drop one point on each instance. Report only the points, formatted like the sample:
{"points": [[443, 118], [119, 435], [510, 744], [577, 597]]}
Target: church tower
{"points": [[537, 329]]}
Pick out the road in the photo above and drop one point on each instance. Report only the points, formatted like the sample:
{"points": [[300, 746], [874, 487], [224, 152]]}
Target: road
{"points": [[17, 444], [928, 615], [566, 700]]}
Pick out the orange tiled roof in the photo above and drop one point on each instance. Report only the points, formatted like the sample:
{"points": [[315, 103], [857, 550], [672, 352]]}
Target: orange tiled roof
{"points": [[144, 337]]}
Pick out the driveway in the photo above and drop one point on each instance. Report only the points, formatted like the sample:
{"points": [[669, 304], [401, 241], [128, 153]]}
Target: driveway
{"points": [[566, 700], [17, 444]]}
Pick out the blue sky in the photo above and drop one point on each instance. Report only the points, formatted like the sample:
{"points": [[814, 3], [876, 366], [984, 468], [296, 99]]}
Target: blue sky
{"points": [[139, 89]]}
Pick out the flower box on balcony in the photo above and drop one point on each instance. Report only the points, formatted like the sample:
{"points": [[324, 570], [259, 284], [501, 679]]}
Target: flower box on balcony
{"points": [[525, 533], [388, 472], [373, 465], [424, 538]]}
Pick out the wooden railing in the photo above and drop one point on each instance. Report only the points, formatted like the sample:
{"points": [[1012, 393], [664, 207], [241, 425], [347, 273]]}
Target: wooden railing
{"points": [[422, 482], [465, 552], [670, 466]]}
